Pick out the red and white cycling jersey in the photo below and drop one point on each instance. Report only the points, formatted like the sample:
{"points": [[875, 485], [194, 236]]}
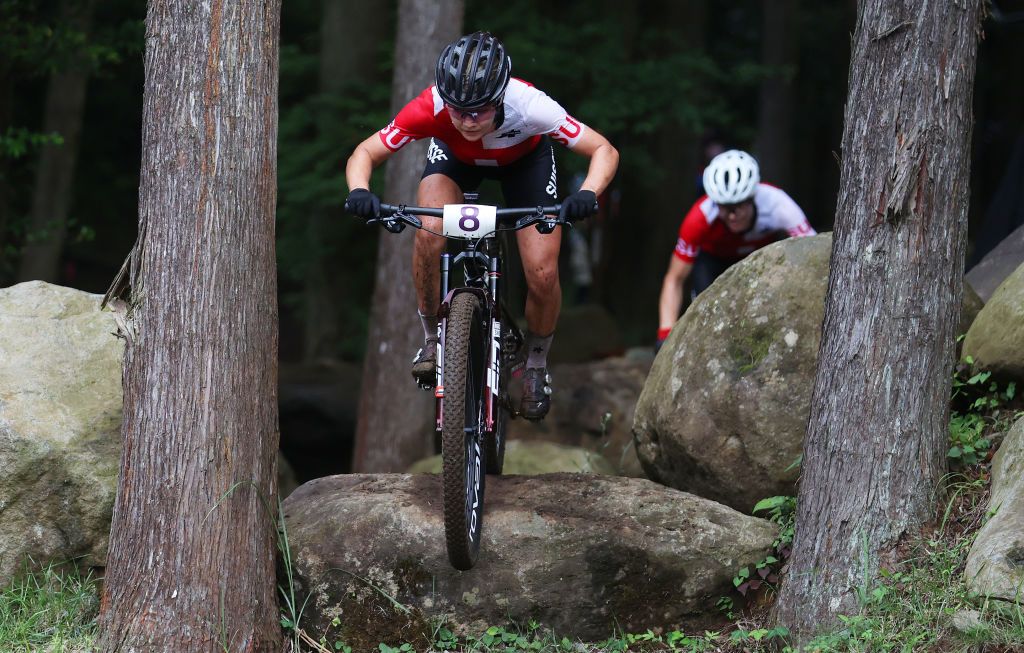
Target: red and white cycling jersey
{"points": [[529, 114], [776, 215]]}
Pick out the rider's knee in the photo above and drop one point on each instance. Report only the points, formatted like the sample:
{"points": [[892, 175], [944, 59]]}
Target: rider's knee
{"points": [[542, 281]]}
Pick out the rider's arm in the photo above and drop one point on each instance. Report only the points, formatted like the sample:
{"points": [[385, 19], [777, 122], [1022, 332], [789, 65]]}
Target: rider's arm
{"points": [[671, 299], [368, 155], [604, 160]]}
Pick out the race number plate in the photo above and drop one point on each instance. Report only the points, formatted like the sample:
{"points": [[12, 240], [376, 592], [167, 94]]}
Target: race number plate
{"points": [[469, 220]]}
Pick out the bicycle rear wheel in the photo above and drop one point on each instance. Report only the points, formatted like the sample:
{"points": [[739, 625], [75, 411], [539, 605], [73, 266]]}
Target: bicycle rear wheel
{"points": [[462, 449]]}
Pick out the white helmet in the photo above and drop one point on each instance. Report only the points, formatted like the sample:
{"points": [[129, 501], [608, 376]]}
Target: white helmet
{"points": [[731, 177]]}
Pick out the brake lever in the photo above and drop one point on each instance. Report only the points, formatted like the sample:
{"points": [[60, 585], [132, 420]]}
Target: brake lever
{"points": [[547, 225]]}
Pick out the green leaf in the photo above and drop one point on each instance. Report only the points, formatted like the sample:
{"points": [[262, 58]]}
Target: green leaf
{"points": [[769, 503], [980, 377], [954, 452]]}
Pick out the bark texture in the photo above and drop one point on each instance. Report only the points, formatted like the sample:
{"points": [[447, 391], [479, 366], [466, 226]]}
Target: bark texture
{"points": [[191, 562], [394, 428], [875, 445]]}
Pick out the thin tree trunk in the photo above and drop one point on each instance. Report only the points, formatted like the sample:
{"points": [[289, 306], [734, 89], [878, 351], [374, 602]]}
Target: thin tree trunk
{"points": [[51, 199], [774, 147], [191, 562], [876, 438], [6, 106], [349, 37], [395, 426]]}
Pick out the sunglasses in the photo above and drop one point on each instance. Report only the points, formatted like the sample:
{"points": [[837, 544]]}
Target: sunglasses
{"points": [[480, 114]]}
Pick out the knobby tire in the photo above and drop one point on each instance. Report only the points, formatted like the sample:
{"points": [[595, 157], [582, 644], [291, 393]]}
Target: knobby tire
{"points": [[463, 452]]}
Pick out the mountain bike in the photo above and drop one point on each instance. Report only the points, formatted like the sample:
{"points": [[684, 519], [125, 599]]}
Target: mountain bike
{"points": [[477, 352]]}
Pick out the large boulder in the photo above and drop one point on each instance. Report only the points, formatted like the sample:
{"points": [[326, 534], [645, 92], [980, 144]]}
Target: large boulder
{"points": [[532, 457], [996, 338], [592, 408], [998, 264], [995, 565], [60, 420], [585, 555], [725, 406]]}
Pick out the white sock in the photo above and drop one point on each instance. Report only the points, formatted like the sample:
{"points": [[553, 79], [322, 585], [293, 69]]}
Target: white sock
{"points": [[429, 323], [537, 350]]}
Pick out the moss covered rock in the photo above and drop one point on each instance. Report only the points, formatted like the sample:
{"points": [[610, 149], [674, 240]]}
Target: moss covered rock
{"points": [[725, 406], [60, 419], [996, 338], [532, 457], [583, 554], [995, 565]]}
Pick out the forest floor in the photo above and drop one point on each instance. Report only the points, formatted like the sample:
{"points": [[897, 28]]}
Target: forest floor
{"points": [[919, 603]]}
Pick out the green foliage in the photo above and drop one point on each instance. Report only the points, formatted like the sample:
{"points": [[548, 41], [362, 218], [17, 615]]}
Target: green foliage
{"points": [[317, 132], [53, 609], [635, 81], [758, 635], [780, 510], [978, 411], [16, 142]]}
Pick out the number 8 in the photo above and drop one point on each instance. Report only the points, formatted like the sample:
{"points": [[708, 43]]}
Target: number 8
{"points": [[469, 221]]}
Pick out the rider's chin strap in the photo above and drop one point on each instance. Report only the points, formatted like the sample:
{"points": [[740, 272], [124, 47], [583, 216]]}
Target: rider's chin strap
{"points": [[499, 116]]}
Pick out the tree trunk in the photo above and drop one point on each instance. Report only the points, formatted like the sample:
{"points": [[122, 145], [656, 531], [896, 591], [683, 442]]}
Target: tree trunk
{"points": [[876, 438], [774, 147], [395, 426], [191, 562], [51, 199], [349, 35]]}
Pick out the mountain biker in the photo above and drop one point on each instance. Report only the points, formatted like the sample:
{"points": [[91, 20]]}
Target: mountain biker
{"points": [[484, 124], [738, 215]]}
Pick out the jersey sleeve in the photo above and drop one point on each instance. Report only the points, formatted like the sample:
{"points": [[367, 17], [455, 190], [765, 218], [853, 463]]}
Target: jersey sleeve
{"points": [[548, 117], [791, 217], [691, 233], [415, 120]]}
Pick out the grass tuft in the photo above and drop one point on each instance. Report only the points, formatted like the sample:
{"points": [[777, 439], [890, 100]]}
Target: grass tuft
{"points": [[53, 610]]}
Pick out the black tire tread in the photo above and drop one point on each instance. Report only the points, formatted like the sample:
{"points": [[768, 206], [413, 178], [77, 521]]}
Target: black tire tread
{"points": [[464, 307]]}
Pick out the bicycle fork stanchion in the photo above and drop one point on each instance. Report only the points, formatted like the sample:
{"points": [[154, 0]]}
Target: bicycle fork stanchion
{"points": [[494, 356], [442, 324]]}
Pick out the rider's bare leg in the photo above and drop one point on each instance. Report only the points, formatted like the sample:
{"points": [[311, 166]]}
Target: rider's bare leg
{"points": [[539, 253], [435, 191]]}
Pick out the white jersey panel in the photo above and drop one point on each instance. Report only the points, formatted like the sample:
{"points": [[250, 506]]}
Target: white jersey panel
{"points": [[776, 211], [531, 112]]}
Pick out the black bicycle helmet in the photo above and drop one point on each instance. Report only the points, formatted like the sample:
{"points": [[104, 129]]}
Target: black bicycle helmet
{"points": [[473, 72]]}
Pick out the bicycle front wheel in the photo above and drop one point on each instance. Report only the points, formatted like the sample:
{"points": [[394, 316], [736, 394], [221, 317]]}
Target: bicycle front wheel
{"points": [[462, 426]]}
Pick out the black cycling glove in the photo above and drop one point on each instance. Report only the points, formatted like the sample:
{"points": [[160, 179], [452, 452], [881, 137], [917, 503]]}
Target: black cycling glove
{"points": [[579, 205], [363, 203]]}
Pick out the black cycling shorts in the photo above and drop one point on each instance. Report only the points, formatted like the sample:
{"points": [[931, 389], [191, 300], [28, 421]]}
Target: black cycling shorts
{"points": [[529, 181]]}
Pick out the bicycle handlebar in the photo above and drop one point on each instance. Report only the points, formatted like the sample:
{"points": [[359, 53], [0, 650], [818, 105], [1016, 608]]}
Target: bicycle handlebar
{"points": [[434, 212], [394, 217]]}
